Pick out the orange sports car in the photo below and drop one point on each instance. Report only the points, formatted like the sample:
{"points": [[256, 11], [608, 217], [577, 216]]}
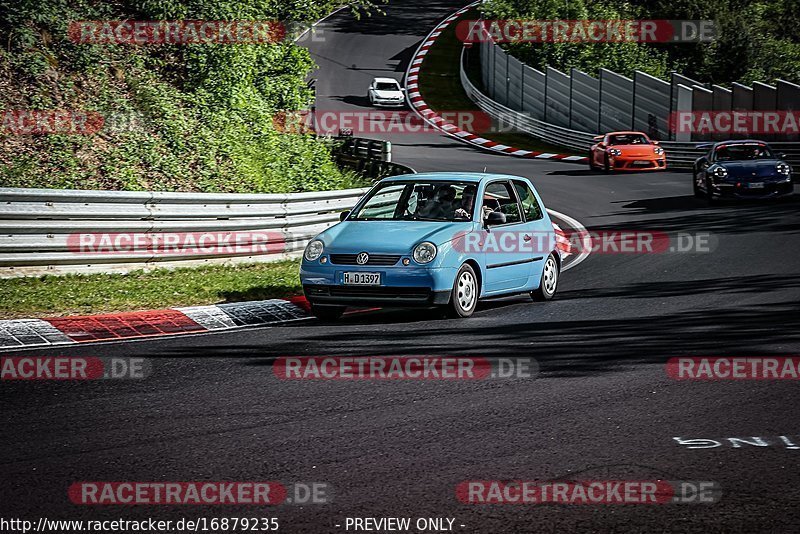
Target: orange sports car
{"points": [[626, 151]]}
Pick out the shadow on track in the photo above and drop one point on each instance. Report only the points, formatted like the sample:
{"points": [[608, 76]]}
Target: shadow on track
{"points": [[696, 215], [567, 348]]}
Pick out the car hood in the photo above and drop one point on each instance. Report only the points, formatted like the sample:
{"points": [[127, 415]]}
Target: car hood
{"points": [[388, 94], [751, 169], [398, 237], [644, 151]]}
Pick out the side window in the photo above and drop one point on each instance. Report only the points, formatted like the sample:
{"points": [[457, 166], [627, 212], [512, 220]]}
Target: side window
{"points": [[531, 208], [499, 197]]}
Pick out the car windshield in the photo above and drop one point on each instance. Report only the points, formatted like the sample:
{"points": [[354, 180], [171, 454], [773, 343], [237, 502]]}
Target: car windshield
{"points": [[743, 152], [628, 139], [387, 86], [419, 201]]}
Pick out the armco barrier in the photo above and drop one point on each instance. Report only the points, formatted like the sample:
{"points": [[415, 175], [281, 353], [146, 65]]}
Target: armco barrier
{"points": [[679, 155], [36, 225], [369, 157]]}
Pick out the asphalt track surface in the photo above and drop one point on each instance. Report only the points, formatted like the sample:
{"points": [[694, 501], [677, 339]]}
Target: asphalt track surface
{"points": [[602, 405]]}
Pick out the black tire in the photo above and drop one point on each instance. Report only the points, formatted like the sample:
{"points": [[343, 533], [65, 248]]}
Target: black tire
{"points": [[548, 285], [606, 165], [712, 200], [326, 312], [464, 296], [698, 193]]}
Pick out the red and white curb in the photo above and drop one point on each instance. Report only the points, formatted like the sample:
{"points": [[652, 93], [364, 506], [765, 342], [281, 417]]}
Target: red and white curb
{"points": [[434, 119], [24, 333]]}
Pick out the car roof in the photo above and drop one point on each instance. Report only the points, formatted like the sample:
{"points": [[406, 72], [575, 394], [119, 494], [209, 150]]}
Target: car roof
{"points": [[453, 176], [385, 80], [740, 142]]}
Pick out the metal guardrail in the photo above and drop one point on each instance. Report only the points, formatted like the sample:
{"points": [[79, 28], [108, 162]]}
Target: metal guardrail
{"points": [[41, 227], [679, 155], [370, 157]]}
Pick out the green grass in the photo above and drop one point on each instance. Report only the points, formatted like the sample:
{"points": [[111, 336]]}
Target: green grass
{"points": [[50, 296], [440, 86]]}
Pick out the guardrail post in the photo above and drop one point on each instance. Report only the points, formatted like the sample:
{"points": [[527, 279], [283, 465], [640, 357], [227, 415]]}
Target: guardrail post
{"points": [[386, 152]]}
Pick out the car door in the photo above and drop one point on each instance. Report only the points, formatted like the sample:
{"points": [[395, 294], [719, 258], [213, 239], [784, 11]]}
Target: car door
{"points": [[507, 264], [537, 226]]}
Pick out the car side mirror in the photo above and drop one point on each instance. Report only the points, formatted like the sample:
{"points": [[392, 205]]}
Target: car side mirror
{"points": [[495, 218], [601, 145], [343, 215]]}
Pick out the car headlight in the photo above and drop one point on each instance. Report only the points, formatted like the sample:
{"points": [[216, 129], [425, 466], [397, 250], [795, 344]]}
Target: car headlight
{"points": [[314, 250], [720, 172], [424, 252], [615, 152], [783, 168], [659, 151]]}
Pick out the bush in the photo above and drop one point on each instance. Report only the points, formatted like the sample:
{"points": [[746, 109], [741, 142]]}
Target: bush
{"points": [[188, 118]]}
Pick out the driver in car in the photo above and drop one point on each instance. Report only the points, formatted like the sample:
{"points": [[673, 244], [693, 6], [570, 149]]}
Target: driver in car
{"points": [[467, 204], [441, 205]]}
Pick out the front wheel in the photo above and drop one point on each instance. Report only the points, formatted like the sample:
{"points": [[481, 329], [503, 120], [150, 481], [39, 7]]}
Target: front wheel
{"points": [[549, 283], [710, 198], [464, 296], [606, 164], [327, 313], [698, 193], [591, 161]]}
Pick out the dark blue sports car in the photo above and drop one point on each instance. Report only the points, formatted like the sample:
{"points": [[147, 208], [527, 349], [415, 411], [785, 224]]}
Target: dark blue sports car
{"points": [[741, 169]]}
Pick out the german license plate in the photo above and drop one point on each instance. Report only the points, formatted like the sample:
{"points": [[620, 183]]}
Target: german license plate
{"points": [[641, 162], [362, 279], [755, 185]]}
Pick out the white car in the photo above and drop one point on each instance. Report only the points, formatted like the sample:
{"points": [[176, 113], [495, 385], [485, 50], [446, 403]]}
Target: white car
{"points": [[386, 92]]}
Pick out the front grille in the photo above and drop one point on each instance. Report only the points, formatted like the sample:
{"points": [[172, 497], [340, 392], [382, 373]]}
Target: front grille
{"points": [[378, 292], [374, 259]]}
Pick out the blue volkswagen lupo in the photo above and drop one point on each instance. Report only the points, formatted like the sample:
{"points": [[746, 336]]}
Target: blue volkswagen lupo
{"points": [[438, 239]]}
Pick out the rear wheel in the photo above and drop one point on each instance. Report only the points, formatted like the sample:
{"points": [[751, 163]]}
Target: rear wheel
{"points": [[327, 313], [464, 297], [549, 283]]}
